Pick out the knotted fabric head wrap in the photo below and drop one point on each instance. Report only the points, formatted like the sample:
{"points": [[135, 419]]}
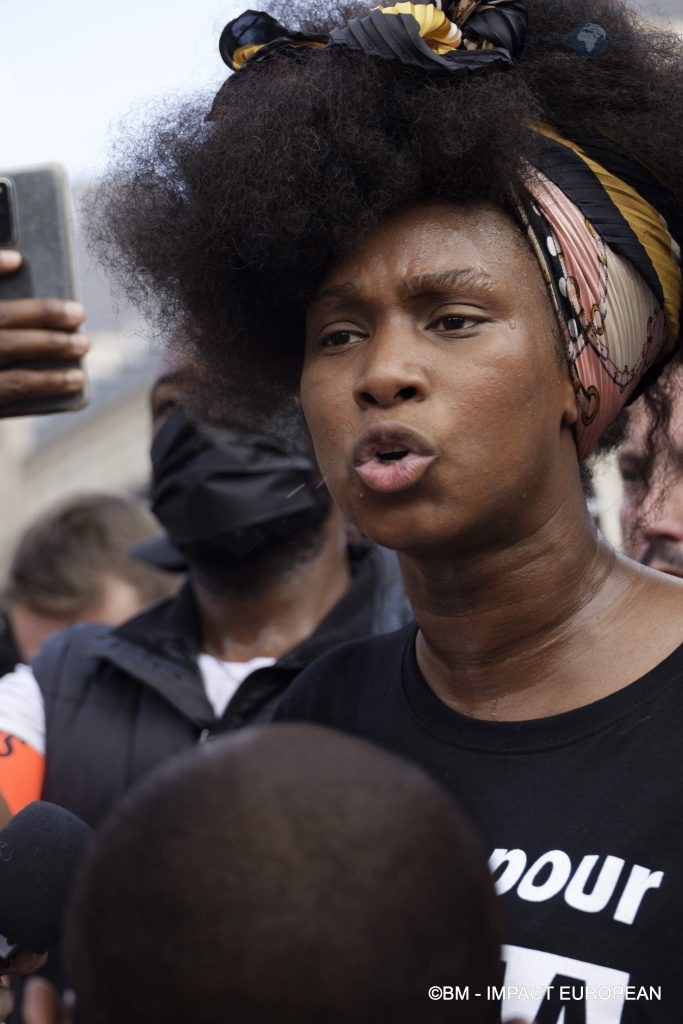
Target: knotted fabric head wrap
{"points": [[613, 270], [473, 34], [594, 215]]}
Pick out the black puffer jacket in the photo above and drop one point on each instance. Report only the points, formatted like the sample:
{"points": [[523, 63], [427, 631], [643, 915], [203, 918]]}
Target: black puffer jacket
{"points": [[120, 701]]}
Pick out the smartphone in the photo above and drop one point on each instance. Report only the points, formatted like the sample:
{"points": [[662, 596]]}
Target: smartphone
{"points": [[35, 219]]}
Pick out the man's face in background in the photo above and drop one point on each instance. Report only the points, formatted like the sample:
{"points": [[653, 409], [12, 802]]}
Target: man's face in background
{"points": [[652, 517], [118, 600], [166, 396]]}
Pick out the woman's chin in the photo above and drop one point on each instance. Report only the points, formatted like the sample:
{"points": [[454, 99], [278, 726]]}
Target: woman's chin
{"points": [[401, 537]]}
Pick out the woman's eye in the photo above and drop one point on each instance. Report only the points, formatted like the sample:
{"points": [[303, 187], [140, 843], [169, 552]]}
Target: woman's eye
{"points": [[337, 339], [632, 478], [454, 322], [632, 474]]}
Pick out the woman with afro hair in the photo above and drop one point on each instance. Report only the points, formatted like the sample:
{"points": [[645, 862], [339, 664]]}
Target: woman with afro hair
{"points": [[455, 234]]}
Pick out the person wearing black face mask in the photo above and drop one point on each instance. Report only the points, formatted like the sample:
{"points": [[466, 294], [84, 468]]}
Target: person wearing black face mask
{"points": [[271, 584]]}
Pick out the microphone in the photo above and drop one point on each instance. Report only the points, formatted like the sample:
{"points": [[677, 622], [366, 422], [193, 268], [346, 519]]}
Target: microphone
{"points": [[39, 851]]}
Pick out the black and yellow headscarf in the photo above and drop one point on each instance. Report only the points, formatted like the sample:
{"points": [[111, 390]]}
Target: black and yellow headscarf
{"points": [[472, 35]]}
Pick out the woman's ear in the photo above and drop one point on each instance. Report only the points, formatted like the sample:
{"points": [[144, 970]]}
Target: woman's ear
{"points": [[570, 409]]}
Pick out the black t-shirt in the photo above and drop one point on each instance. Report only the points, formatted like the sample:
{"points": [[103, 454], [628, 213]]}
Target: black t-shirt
{"points": [[581, 813]]}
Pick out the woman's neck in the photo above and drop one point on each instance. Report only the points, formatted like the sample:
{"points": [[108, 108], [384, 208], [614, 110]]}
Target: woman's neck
{"points": [[513, 633]]}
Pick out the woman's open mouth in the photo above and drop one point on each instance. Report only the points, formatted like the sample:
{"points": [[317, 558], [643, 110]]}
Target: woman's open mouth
{"points": [[391, 457]]}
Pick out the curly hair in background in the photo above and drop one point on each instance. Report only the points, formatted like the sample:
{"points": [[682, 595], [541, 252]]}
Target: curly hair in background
{"points": [[225, 224]]}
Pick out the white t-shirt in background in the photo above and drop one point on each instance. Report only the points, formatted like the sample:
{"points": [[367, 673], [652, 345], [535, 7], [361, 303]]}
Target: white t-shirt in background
{"points": [[222, 679], [22, 709]]}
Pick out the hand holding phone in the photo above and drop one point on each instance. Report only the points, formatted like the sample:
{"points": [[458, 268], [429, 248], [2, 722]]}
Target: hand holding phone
{"points": [[38, 289], [38, 330]]}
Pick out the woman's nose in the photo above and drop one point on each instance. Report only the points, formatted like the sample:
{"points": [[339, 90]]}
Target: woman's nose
{"points": [[390, 372]]}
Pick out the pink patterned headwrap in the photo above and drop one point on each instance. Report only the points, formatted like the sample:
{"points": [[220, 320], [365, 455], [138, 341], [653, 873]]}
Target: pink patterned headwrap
{"points": [[615, 278]]}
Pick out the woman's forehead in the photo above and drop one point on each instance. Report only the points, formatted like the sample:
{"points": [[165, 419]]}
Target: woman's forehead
{"points": [[437, 244]]}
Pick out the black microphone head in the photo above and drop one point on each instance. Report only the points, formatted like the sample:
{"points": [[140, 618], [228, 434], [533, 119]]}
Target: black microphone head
{"points": [[39, 851]]}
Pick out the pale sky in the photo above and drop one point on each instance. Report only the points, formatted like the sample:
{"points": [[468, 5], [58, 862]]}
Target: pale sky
{"points": [[70, 69]]}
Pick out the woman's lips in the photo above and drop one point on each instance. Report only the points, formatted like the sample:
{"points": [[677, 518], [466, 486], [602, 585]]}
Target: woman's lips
{"points": [[391, 457]]}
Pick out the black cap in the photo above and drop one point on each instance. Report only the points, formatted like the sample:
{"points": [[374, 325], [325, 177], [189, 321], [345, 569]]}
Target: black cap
{"points": [[160, 553]]}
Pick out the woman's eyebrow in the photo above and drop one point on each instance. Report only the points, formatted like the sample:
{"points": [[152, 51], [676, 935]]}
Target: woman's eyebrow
{"points": [[438, 281], [444, 280], [345, 290]]}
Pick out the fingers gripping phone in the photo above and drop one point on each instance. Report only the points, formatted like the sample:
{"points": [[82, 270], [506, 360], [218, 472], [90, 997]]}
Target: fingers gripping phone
{"points": [[35, 219]]}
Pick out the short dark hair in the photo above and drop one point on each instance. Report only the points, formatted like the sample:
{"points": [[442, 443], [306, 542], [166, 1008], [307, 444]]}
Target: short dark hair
{"points": [[60, 562], [286, 875]]}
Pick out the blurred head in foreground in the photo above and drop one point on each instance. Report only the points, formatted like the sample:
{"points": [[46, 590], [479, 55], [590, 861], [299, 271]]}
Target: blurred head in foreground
{"points": [[73, 565], [287, 874], [651, 468]]}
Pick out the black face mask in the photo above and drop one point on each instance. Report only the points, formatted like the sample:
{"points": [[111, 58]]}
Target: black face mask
{"points": [[216, 487]]}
